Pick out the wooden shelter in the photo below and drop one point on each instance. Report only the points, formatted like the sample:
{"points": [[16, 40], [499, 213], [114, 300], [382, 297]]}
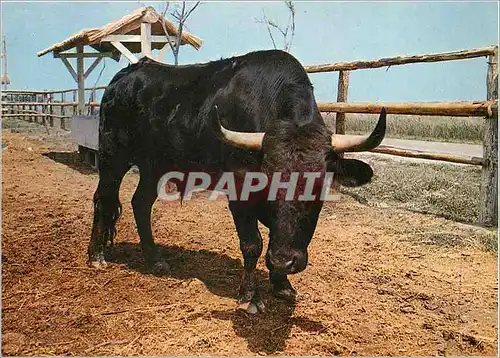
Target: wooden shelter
{"points": [[139, 32]]}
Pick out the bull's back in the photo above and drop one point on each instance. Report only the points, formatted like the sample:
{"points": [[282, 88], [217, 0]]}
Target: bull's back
{"points": [[155, 108]]}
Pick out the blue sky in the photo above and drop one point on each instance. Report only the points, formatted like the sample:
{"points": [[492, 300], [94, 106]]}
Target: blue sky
{"points": [[326, 32]]}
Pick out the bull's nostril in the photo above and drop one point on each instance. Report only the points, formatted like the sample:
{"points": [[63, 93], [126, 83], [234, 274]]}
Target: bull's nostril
{"points": [[290, 263]]}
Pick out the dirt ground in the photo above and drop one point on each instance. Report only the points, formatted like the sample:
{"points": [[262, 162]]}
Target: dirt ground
{"points": [[374, 286]]}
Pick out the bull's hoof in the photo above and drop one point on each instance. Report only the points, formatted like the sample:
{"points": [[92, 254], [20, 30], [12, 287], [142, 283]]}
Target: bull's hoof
{"points": [[252, 307], [158, 266], [161, 266], [285, 293], [249, 301], [100, 264]]}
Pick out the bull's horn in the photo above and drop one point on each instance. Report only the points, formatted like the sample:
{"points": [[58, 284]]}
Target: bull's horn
{"points": [[245, 140], [351, 143]]}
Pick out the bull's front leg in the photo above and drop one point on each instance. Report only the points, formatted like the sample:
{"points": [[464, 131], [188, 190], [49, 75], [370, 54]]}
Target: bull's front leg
{"points": [[251, 247], [282, 288]]}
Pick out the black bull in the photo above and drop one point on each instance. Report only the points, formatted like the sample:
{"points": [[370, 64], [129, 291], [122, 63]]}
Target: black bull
{"points": [[163, 118]]}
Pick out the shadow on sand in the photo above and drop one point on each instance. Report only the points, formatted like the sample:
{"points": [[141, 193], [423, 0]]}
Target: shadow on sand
{"points": [[265, 333], [73, 160]]}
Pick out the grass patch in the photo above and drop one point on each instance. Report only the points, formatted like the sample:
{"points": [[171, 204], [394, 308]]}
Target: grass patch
{"points": [[478, 237], [488, 240], [446, 190], [435, 128]]}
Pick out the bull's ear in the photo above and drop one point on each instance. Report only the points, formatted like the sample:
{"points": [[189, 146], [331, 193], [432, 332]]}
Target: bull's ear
{"points": [[352, 172]]}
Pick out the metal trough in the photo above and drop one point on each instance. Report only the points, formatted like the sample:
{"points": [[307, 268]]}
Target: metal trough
{"points": [[85, 132]]}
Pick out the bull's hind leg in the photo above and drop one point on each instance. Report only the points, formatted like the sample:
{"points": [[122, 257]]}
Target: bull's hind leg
{"points": [[142, 202], [251, 247], [107, 208]]}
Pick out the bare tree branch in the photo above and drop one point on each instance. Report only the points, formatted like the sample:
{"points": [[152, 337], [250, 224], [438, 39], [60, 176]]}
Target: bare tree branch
{"points": [[287, 40], [164, 14], [291, 7], [181, 16], [192, 9], [268, 24]]}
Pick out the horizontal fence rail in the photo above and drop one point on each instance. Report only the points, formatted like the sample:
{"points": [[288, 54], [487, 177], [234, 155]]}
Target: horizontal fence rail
{"points": [[50, 91], [402, 60], [53, 104], [455, 109], [412, 153]]}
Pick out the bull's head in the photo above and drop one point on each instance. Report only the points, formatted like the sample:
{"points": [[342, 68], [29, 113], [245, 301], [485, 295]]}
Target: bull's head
{"points": [[286, 148]]}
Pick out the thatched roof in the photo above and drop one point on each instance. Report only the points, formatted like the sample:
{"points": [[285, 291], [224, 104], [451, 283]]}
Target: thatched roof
{"points": [[127, 25], [5, 80]]}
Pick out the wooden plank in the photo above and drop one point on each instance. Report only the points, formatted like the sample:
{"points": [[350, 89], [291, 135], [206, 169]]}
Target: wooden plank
{"points": [[80, 71], [70, 69], [488, 199], [401, 60], [342, 91], [85, 54], [92, 67], [125, 51], [137, 38], [402, 152], [146, 39], [458, 109]]}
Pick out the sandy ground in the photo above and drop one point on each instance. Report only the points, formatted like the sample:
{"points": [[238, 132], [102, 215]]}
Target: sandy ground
{"points": [[371, 288]]}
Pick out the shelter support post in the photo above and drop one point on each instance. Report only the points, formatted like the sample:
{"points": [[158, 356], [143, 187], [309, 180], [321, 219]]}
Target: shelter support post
{"points": [[146, 39], [80, 73], [488, 210]]}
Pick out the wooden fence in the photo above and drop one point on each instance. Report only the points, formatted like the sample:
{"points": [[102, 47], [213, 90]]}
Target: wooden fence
{"points": [[488, 211], [45, 106], [50, 108]]}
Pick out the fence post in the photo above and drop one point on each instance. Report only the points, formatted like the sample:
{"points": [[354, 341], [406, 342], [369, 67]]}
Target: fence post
{"points": [[62, 111], [341, 97], [74, 104], [51, 109], [27, 109], [44, 108], [488, 211], [90, 110]]}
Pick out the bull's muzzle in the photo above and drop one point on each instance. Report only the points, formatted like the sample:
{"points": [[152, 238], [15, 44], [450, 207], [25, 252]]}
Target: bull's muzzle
{"points": [[286, 261]]}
